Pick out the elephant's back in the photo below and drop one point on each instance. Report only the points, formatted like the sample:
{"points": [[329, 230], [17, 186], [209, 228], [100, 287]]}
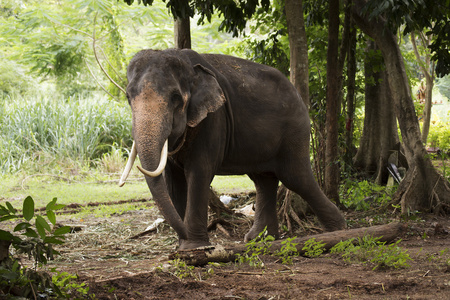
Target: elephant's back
{"points": [[259, 84]]}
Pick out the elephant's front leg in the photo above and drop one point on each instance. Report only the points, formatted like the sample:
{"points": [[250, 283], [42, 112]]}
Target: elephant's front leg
{"points": [[196, 216]]}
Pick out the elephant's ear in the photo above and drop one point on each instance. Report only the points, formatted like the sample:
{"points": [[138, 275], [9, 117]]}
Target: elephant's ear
{"points": [[206, 95]]}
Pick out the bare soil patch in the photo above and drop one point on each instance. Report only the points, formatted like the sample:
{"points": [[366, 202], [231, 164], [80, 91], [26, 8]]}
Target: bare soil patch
{"points": [[115, 266]]}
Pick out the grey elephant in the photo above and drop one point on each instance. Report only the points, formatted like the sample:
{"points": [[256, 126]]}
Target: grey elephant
{"points": [[195, 116]]}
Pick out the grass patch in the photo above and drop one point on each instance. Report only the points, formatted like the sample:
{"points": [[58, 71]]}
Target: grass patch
{"points": [[232, 184], [97, 187], [81, 191]]}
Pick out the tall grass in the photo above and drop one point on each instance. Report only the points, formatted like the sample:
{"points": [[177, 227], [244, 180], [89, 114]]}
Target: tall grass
{"points": [[77, 129]]}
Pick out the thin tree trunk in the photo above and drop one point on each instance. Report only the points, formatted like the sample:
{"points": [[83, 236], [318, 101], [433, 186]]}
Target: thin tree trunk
{"points": [[298, 48], [351, 86], [332, 175], [423, 188], [182, 33], [293, 207], [425, 68]]}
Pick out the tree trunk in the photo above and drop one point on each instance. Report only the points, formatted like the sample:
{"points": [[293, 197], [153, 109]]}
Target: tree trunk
{"points": [[423, 188], [292, 206], [386, 233], [350, 100], [425, 68], [298, 48], [182, 33], [380, 135], [332, 172]]}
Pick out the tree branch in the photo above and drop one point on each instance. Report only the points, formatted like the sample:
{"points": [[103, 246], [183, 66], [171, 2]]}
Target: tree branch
{"points": [[98, 61]]}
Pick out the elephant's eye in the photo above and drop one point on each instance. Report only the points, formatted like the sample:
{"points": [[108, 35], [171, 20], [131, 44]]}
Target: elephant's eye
{"points": [[176, 97]]}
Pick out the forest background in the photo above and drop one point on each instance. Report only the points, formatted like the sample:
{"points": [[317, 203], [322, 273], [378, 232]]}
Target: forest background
{"points": [[62, 119]]}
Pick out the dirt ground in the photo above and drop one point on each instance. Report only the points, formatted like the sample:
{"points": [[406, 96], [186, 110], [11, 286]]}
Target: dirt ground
{"points": [[104, 255]]}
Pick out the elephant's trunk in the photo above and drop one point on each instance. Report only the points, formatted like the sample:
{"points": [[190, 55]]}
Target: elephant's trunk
{"points": [[149, 145], [161, 165], [131, 159]]}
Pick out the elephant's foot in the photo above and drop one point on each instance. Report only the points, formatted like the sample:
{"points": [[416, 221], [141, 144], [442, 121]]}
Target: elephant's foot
{"points": [[192, 244], [336, 223], [256, 230]]}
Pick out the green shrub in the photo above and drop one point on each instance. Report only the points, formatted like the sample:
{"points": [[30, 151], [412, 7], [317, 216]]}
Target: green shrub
{"points": [[43, 131], [33, 236], [369, 250], [313, 248], [439, 136], [364, 195], [255, 248]]}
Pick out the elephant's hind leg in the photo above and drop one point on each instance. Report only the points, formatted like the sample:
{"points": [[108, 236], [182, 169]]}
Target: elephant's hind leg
{"points": [[296, 175], [265, 206]]}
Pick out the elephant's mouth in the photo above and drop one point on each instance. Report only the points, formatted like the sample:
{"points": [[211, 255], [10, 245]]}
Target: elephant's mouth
{"points": [[132, 158]]}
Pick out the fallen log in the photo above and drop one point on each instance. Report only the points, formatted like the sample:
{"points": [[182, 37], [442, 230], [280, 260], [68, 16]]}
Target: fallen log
{"points": [[227, 253]]}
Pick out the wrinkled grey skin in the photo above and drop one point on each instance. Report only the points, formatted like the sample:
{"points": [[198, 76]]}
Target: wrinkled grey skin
{"points": [[236, 117]]}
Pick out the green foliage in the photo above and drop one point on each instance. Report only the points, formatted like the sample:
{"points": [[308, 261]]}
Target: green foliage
{"points": [[288, 250], [68, 285], [439, 136], [443, 84], [14, 80], [364, 195], [268, 41], [40, 130], [369, 250], [313, 248], [180, 269], [255, 248], [36, 239]]}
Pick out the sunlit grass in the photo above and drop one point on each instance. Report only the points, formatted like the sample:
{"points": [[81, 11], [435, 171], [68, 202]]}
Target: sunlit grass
{"points": [[40, 132]]}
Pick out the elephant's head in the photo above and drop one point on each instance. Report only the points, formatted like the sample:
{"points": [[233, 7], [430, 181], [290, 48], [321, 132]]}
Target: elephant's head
{"points": [[167, 91]]}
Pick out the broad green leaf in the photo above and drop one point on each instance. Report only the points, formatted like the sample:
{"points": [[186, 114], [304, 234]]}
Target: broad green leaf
{"points": [[62, 230], [53, 240], [51, 216], [51, 204], [5, 235], [21, 226], [41, 226], [28, 208], [29, 232], [9, 217], [10, 207]]}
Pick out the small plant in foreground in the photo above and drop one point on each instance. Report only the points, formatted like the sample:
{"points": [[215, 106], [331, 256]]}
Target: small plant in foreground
{"points": [[68, 286], [370, 250], [313, 248], [256, 247], [181, 269], [37, 241], [288, 250]]}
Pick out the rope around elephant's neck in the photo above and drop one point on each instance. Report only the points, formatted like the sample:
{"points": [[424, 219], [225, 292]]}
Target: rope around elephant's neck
{"points": [[180, 145]]}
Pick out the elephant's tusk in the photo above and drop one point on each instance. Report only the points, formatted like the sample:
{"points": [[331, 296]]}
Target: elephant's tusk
{"points": [[162, 163], [129, 165]]}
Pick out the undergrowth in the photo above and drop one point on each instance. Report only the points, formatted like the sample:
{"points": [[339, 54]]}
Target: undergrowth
{"points": [[49, 132], [364, 195], [366, 250], [35, 236], [369, 250]]}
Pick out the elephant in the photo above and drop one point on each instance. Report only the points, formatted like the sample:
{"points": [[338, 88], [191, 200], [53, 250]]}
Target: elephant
{"points": [[195, 116]]}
